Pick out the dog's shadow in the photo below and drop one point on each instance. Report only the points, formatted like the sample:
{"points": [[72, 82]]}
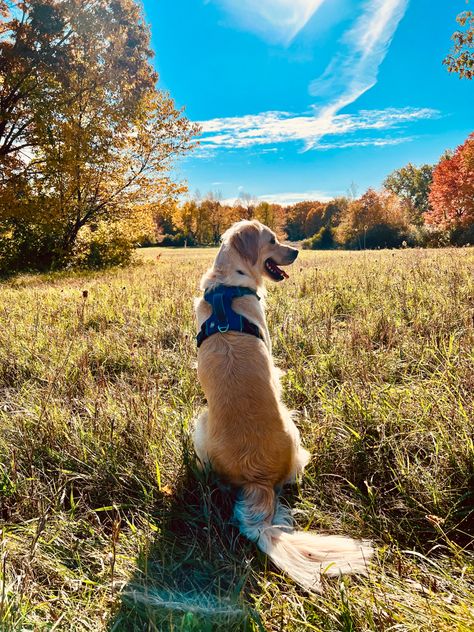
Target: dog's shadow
{"points": [[198, 571]]}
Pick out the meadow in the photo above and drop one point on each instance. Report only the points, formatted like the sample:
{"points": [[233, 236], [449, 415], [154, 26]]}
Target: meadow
{"points": [[105, 523]]}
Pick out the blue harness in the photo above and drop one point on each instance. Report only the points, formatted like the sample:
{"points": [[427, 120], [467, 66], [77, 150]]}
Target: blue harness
{"points": [[223, 317]]}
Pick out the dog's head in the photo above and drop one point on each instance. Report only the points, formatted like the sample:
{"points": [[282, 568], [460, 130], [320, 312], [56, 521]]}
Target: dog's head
{"points": [[258, 249]]}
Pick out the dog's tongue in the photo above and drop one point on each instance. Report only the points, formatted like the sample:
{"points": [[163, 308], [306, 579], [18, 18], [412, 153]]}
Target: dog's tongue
{"points": [[275, 270], [278, 269]]}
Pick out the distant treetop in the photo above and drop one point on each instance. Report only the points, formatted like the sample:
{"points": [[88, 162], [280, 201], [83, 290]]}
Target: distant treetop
{"points": [[461, 58]]}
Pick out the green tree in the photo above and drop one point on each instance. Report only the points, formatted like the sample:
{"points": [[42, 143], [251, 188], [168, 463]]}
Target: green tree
{"points": [[412, 185], [322, 240]]}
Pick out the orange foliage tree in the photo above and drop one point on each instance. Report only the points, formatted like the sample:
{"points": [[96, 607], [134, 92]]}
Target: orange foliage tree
{"points": [[304, 219], [452, 191], [375, 219]]}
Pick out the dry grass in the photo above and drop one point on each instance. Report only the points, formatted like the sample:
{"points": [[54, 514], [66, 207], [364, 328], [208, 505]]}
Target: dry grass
{"points": [[105, 525]]}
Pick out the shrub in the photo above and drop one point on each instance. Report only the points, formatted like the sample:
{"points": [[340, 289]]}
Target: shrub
{"points": [[378, 236], [178, 241], [103, 247], [463, 236], [322, 240], [25, 246], [427, 237]]}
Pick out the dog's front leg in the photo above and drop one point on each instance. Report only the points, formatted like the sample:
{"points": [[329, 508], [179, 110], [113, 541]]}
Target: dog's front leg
{"points": [[200, 440]]}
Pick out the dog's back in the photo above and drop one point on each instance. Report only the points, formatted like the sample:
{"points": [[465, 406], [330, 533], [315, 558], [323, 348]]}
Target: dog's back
{"points": [[248, 438]]}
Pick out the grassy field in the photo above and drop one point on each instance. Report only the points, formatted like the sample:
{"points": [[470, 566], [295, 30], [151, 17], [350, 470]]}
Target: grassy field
{"points": [[105, 523]]}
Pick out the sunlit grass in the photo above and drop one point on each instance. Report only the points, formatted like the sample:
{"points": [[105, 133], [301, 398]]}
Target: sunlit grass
{"points": [[105, 524]]}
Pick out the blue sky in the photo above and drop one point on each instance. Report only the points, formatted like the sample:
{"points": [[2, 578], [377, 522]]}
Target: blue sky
{"points": [[298, 99]]}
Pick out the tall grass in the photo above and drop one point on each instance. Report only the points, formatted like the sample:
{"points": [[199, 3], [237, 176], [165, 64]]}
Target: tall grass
{"points": [[106, 525]]}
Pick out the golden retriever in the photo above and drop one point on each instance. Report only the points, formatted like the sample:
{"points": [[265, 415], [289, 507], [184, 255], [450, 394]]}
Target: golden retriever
{"points": [[247, 435]]}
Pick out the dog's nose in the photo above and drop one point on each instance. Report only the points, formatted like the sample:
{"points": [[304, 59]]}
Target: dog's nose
{"points": [[294, 254]]}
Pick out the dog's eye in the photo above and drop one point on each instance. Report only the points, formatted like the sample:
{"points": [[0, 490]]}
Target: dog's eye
{"points": [[272, 240]]}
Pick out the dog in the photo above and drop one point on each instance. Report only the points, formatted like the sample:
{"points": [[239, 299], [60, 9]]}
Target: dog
{"points": [[247, 435]]}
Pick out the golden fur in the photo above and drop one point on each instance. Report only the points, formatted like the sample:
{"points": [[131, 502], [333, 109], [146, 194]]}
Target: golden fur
{"points": [[247, 435]]}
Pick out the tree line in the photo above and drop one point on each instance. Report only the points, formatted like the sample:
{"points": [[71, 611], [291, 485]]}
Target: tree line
{"points": [[88, 142], [429, 205]]}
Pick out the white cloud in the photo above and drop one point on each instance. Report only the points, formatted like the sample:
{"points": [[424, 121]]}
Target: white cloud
{"points": [[287, 197], [354, 69], [270, 128], [278, 21], [370, 142], [293, 197]]}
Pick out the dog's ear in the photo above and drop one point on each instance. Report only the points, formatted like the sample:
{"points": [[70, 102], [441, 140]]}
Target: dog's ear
{"points": [[245, 241]]}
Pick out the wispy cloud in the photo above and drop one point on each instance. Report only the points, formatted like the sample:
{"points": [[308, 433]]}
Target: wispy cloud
{"points": [[270, 128], [370, 142], [293, 197], [352, 71], [355, 68], [290, 197], [278, 21]]}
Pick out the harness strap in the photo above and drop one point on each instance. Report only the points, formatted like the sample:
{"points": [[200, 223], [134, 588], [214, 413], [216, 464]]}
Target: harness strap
{"points": [[223, 317], [219, 309]]}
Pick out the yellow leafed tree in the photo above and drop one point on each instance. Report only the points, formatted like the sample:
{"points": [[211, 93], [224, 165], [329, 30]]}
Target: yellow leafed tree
{"points": [[101, 153]]}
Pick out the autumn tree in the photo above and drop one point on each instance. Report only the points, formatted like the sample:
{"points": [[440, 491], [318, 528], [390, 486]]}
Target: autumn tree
{"points": [[215, 217], [164, 215], [185, 219], [335, 210], [247, 202], [236, 211], [104, 146], [34, 48], [452, 191], [272, 215], [412, 185], [461, 57], [297, 215], [375, 219], [295, 220]]}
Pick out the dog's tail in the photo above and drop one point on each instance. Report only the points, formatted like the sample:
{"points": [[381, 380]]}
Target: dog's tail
{"points": [[303, 555]]}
